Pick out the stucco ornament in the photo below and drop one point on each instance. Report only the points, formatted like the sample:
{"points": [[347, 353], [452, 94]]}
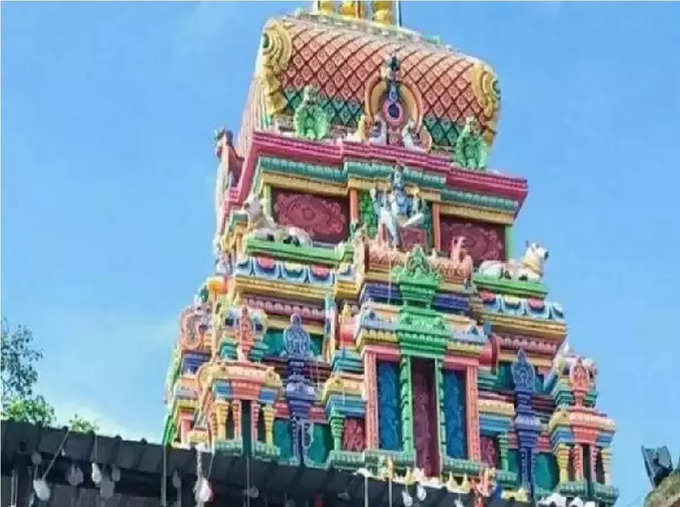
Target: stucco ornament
{"points": [[471, 150], [528, 269], [310, 120], [395, 209], [262, 226]]}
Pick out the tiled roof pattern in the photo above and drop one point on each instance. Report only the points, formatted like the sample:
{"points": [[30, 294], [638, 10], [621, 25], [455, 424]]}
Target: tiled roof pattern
{"points": [[339, 61]]}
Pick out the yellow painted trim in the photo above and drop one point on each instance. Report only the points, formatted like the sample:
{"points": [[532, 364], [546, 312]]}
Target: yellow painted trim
{"points": [[307, 185], [536, 361], [555, 330], [244, 284], [477, 213]]}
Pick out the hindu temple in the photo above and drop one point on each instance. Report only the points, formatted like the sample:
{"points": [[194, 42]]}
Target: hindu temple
{"points": [[370, 312]]}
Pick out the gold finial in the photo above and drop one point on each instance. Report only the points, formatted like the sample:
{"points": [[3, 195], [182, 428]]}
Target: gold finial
{"points": [[352, 8], [325, 6], [383, 11]]}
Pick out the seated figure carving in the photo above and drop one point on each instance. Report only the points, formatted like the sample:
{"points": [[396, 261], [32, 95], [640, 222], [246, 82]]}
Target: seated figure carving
{"points": [[528, 269], [395, 209], [262, 226]]}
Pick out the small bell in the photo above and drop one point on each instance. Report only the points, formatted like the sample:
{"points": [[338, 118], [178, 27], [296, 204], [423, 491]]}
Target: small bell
{"points": [[42, 490], [96, 474]]}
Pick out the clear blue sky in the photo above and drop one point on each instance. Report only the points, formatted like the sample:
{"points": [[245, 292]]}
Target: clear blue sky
{"points": [[107, 177]]}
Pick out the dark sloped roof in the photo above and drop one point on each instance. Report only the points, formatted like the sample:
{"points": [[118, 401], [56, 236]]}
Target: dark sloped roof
{"points": [[141, 465]]}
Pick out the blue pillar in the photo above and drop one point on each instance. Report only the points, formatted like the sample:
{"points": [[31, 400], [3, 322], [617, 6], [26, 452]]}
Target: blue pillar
{"points": [[527, 424]]}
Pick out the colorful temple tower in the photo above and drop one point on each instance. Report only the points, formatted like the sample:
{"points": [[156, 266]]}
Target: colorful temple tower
{"points": [[365, 312]]}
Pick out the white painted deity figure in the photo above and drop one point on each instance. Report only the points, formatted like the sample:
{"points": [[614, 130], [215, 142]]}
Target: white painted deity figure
{"points": [[262, 226], [395, 209], [410, 138], [529, 269]]}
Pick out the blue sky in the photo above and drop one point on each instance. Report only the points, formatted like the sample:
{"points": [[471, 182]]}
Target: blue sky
{"points": [[107, 174]]}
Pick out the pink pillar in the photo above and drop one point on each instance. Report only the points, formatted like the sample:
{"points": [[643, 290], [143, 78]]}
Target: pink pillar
{"points": [[436, 226], [578, 462], [254, 417], [353, 205], [472, 413], [236, 410], [370, 377]]}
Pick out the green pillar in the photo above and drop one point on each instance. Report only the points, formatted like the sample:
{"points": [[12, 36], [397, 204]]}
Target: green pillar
{"points": [[503, 450], [337, 425], [406, 395]]}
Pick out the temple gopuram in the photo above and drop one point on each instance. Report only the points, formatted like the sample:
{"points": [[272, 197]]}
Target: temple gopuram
{"points": [[366, 315]]}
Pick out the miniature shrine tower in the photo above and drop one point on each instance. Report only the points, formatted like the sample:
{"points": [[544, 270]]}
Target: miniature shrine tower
{"points": [[366, 311]]}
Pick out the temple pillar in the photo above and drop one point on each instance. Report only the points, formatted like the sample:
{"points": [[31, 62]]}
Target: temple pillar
{"points": [[436, 226], [606, 456], [254, 418], [562, 455], [371, 376], [472, 413], [577, 458], [212, 425], [594, 451], [353, 205], [268, 412], [337, 423], [406, 402], [503, 451], [236, 410], [221, 411]]}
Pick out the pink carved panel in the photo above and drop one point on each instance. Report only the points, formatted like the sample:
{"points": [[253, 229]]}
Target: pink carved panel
{"points": [[412, 236], [425, 426], [489, 451], [483, 241], [353, 438], [324, 218]]}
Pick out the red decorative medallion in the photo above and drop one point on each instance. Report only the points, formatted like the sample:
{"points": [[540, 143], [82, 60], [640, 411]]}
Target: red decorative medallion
{"points": [[482, 240], [324, 218]]}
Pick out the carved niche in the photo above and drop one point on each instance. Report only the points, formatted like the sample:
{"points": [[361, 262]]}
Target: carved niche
{"points": [[324, 218], [483, 241]]}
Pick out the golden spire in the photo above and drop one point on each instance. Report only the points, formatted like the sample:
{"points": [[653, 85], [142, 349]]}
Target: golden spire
{"points": [[386, 12]]}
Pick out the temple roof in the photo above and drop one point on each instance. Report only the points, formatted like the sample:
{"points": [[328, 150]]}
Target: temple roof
{"points": [[342, 58]]}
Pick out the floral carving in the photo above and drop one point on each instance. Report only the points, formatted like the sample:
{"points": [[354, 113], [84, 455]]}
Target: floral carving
{"points": [[322, 218]]}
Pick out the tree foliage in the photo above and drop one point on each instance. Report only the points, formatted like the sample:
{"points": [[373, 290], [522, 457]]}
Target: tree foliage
{"points": [[18, 364], [19, 375], [77, 423], [33, 410]]}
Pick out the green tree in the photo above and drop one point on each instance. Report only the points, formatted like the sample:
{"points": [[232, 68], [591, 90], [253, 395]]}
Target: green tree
{"points": [[19, 374], [33, 410], [18, 363], [81, 425]]}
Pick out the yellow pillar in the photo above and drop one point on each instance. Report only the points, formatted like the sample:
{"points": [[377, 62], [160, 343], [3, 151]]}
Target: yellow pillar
{"points": [[562, 454], [236, 410], [221, 411], [606, 455], [268, 412]]}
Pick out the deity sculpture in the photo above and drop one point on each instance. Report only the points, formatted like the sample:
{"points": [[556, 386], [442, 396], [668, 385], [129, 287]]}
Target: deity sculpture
{"points": [[395, 209], [471, 150], [529, 269], [262, 226]]}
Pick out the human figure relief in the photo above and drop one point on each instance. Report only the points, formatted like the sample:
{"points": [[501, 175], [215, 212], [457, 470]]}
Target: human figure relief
{"points": [[395, 209]]}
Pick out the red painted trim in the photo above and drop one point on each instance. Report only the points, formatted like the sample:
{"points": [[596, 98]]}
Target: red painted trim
{"points": [[272, 144]]}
